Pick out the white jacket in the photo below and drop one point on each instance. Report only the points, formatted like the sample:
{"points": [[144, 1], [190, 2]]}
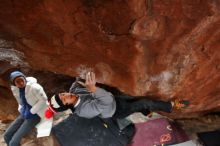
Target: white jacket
{"points": [[37, 98]]}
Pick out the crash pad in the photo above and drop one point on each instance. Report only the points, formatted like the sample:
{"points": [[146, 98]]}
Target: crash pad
{"points": [[78, 131], [158, 132]]}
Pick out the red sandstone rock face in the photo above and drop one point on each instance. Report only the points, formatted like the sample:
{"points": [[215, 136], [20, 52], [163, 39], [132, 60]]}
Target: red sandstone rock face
{"points": [[165, 48]]}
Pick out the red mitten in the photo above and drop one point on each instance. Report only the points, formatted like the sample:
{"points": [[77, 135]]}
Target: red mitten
{"points": [[48, 113]]}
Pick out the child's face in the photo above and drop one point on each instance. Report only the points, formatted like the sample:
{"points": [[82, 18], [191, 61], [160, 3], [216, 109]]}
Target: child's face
{"points": [[20, 82], [68, 98]]}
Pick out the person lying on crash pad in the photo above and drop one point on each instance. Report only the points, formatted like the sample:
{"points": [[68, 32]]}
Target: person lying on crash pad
{"points": [[99, 109]]}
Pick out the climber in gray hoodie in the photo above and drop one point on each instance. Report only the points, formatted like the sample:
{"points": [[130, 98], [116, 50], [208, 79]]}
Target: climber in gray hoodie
{"points": [[88, 101], [32, 102]]}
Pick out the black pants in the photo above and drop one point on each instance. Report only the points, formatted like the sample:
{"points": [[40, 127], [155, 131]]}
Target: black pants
{"points": [[126, 105]]}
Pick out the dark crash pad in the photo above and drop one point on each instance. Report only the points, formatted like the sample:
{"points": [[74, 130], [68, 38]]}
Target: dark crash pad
{"points": [[78, 131]]}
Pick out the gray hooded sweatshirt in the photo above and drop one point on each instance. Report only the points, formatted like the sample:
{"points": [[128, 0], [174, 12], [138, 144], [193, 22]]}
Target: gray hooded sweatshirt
{"points": [[101, 103]]}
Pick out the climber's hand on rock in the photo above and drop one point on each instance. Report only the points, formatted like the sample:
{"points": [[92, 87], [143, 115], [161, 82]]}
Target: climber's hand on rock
{"points": [[90, 82]]}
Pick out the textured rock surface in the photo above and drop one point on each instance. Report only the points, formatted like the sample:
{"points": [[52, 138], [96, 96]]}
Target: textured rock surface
{"points": [[166, 48]]}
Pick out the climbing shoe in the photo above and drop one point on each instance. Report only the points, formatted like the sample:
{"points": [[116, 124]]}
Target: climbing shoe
{"points": [[180, 104]]}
